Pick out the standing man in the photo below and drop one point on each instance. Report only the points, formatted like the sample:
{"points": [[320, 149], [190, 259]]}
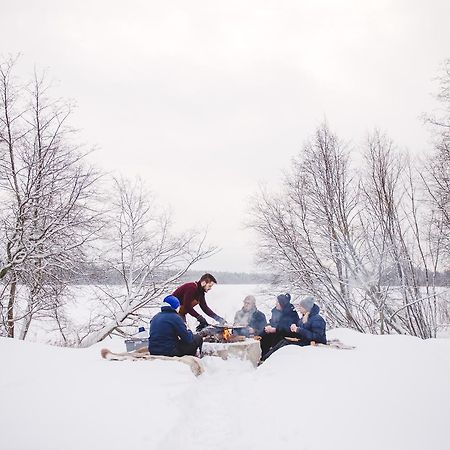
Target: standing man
{"points": [[193, 294]]}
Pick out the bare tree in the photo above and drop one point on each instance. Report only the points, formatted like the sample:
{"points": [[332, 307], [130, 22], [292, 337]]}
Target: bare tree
{"points": [[355, 239], [46, 191], [438, 174], [148, 256], [307, 231], [437, 177], [397, 208]]}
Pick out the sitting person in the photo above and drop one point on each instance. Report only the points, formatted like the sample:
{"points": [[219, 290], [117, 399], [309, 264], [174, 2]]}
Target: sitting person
{"points": [[311, 328], [169, 335], [250, 318], [283, 315]]}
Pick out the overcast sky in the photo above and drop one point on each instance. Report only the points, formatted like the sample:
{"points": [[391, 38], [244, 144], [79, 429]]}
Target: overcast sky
{"points": [[205, 100]]}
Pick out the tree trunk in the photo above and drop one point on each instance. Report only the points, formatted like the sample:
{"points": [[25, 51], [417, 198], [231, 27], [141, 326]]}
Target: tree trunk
{"points": [[11, 303]]}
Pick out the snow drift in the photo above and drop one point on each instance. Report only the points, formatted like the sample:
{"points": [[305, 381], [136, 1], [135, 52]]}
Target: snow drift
{"points": [[391, 392]]}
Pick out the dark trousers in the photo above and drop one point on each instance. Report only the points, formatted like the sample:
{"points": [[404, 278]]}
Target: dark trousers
{"points": [[268, 340], [280, 344], [184, 349]]}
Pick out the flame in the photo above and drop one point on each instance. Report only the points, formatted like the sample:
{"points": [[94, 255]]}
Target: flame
{"points": [[226, 334]]}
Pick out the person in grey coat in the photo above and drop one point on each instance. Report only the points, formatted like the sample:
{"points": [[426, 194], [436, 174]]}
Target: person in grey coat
{"points": [[250, 318]]}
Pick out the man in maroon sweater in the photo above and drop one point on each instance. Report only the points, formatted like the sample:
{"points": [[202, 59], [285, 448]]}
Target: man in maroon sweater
{"points": [[193, 294]]}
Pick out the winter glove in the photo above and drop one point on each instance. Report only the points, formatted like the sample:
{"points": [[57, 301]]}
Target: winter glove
{"points": [[221, 320], [202, 323]]}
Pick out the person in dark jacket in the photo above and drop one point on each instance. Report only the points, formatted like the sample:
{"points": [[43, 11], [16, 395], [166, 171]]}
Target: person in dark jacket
{"points": [[311, 327], [283, 316], [193, 294], [250, 317], [169, 335]]}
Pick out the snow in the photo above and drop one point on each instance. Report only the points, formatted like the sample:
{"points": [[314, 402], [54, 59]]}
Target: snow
{"points": [[391, 392]]}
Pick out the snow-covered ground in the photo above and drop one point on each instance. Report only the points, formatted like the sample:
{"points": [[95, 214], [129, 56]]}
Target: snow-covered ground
{"points": [[391, 392]]}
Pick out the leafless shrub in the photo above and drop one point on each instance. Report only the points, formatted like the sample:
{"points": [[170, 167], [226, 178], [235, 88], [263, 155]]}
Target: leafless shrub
{"points": [[356, 239], [149, 257]]}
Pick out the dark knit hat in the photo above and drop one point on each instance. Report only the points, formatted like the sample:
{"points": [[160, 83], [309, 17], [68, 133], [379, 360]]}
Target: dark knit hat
{"points": [[170, 301], [284, 299], [307, 303]]}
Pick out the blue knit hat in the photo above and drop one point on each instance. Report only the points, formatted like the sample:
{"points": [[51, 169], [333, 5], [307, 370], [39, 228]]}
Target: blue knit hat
{"points": [[171, 301], [284, 299]]}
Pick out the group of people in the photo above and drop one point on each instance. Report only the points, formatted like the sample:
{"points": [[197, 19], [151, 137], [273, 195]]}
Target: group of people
{"points": [[170, 336]]}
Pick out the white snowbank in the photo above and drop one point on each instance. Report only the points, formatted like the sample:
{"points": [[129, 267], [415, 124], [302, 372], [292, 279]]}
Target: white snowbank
{"points": [[391, 392]]}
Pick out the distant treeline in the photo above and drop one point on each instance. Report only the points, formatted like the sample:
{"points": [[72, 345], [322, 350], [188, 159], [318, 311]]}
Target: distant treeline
{"points": [[97, 274], [231, 277], [440, 278]]}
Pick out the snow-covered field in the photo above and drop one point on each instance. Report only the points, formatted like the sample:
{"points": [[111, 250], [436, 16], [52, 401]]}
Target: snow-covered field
{"points": [[391, 392]]}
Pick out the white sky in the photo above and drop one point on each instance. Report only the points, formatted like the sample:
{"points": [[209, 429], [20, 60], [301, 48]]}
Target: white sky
{"points": [[206, 99]]}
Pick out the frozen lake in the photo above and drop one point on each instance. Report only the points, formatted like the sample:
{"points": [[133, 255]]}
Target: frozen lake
{"points": [[224, 299]]}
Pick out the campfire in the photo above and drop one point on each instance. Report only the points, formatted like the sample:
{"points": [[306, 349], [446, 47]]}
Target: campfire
{"points": [[221, 335]]}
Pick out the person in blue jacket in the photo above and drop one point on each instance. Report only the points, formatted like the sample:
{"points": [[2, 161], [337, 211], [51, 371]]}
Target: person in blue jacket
{"points": [[169, 335], [283, 316], [311, 327]]}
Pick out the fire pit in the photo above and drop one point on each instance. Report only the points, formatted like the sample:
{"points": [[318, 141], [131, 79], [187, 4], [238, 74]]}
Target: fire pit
{"points": [[222, 334], [219, 340]]}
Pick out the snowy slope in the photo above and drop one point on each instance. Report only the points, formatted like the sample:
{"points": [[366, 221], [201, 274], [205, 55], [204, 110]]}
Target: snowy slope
{"points": [[392, 392]]}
